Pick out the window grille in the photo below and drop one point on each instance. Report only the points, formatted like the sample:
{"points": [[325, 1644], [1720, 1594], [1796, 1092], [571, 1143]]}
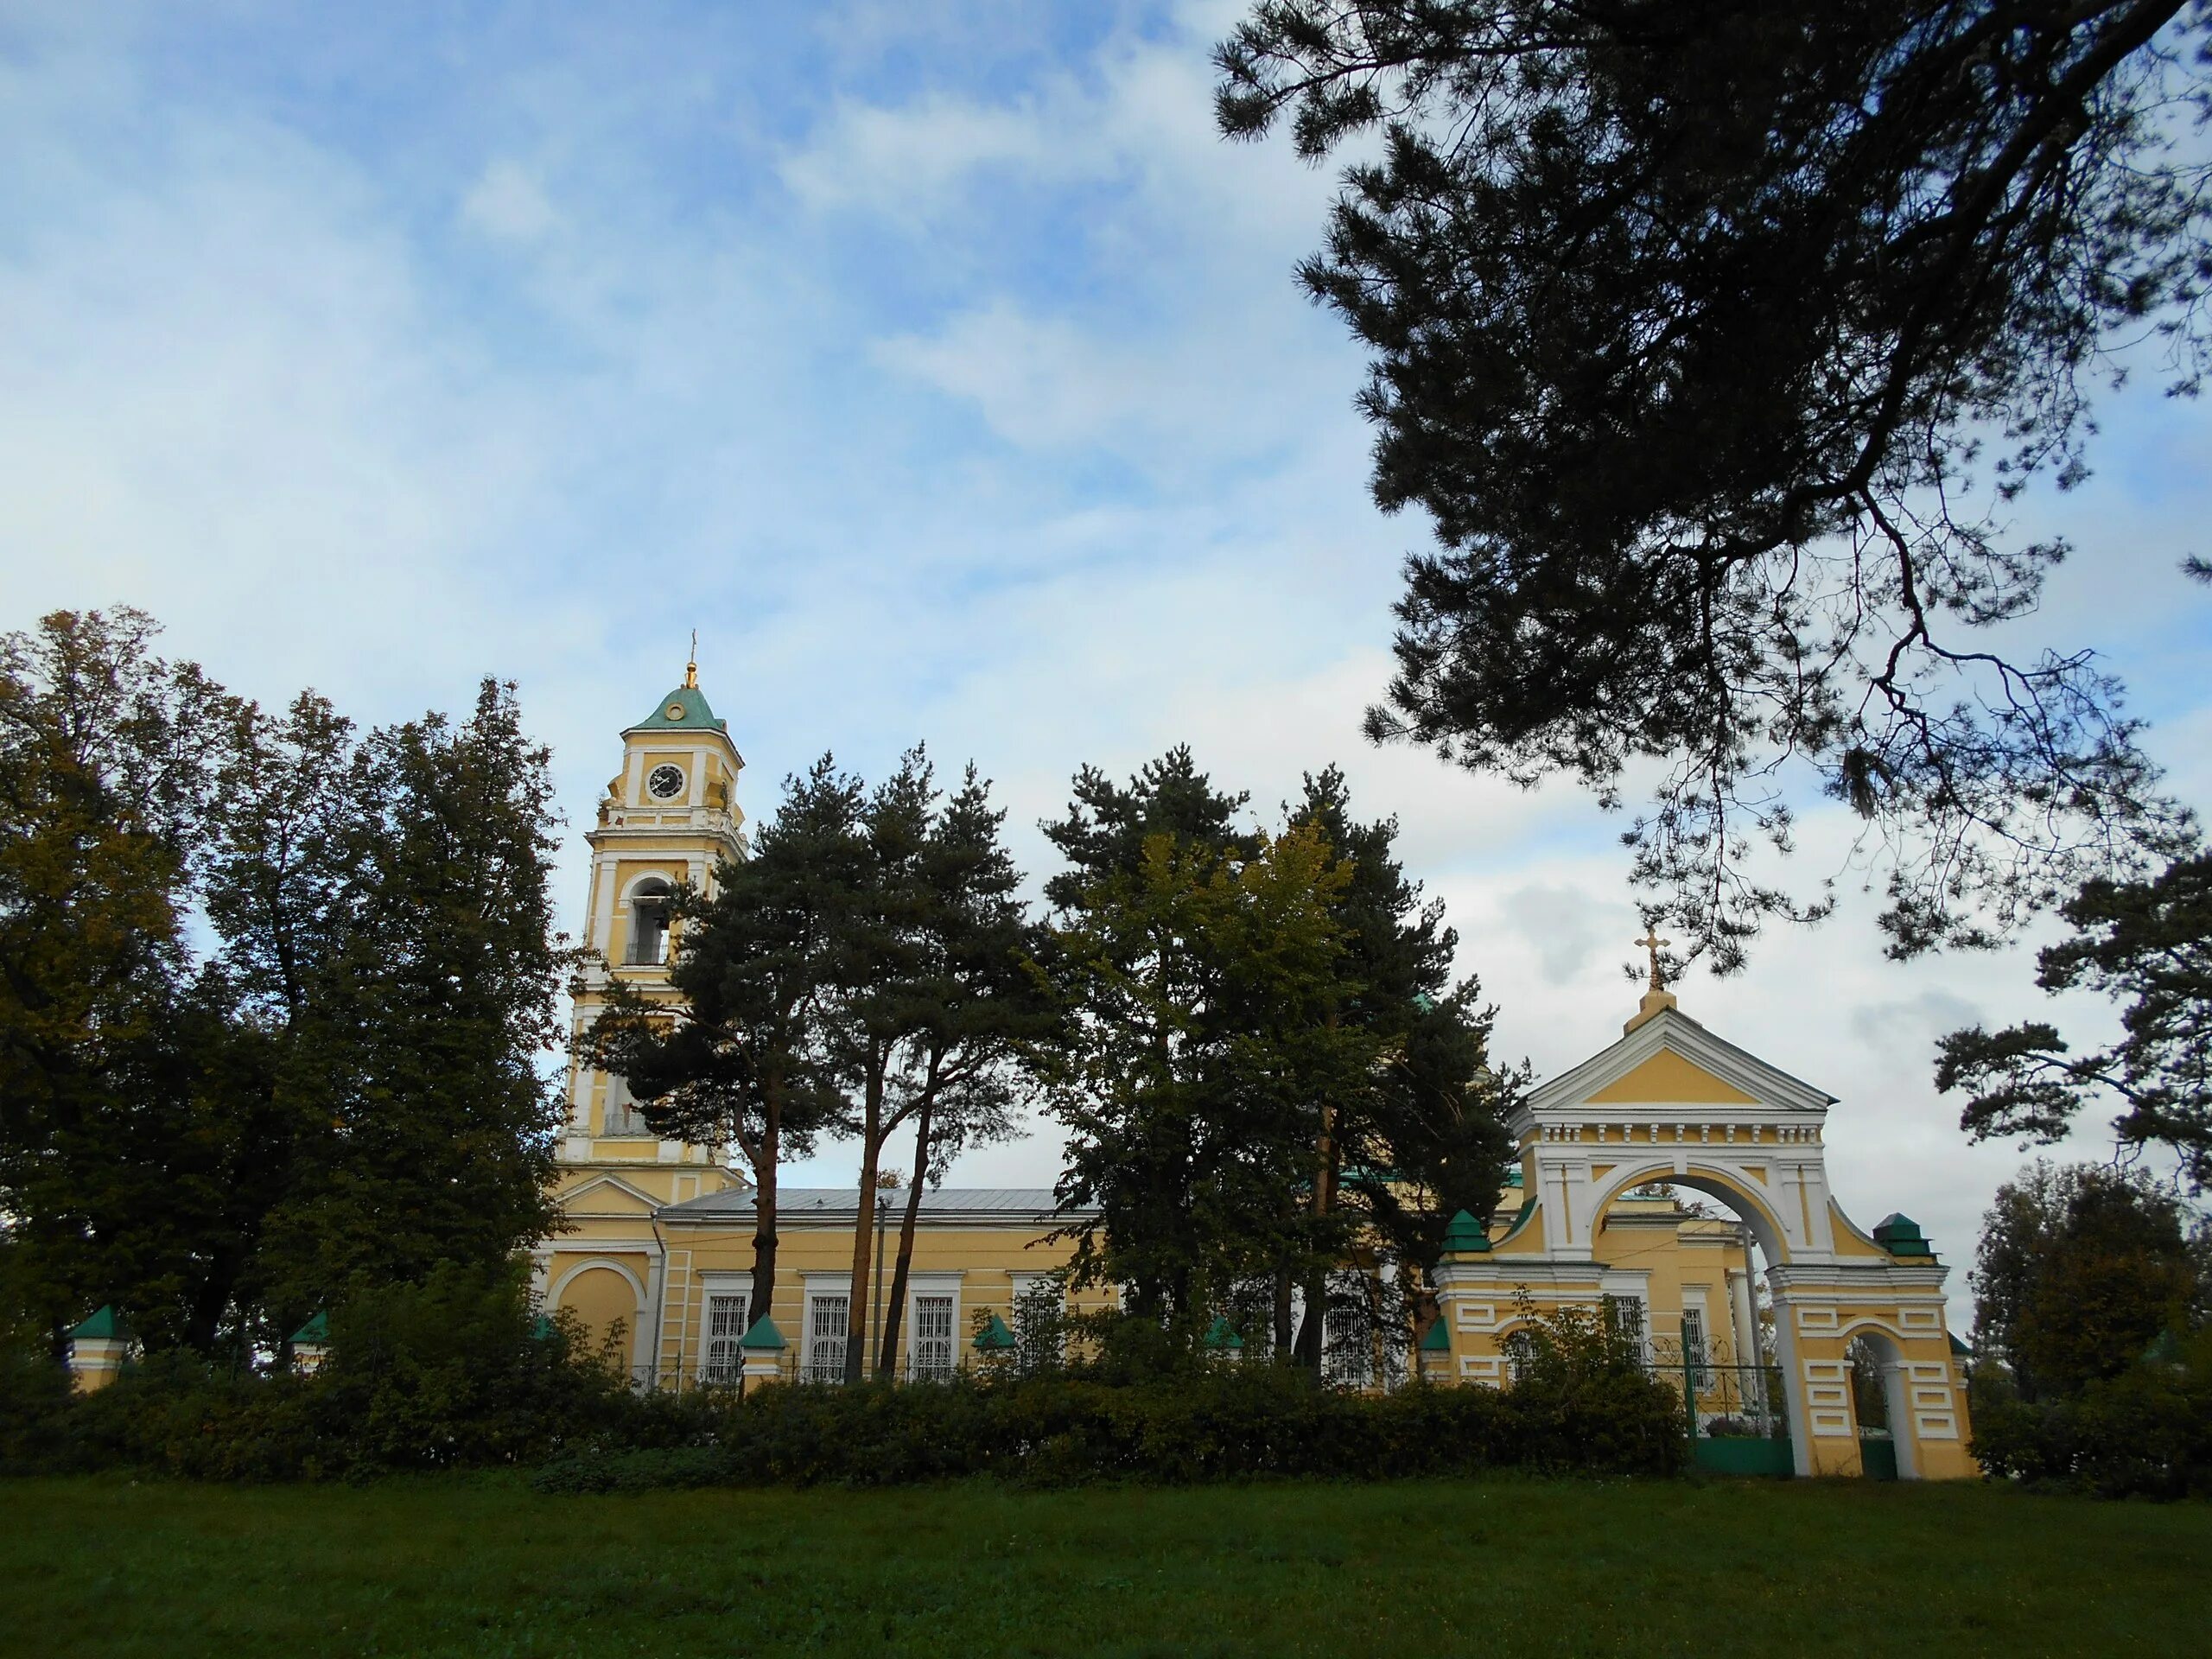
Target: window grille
{"points": [[1039, 1325], [934, 1337], [825, 1348], [725, 1329], [1693, 1347], [1625, 1316]]}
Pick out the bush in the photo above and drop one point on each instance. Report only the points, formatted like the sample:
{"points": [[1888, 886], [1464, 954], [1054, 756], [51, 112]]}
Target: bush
{"points": [[454, 1373], [2145, 1433], [1233, 1423]]}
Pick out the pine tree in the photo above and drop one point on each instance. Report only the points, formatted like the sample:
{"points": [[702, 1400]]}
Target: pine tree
{"points": [[738, 1062], [1200, 969], [1422, 1137], [2147, 944], [972, 999], [1715, 337]]}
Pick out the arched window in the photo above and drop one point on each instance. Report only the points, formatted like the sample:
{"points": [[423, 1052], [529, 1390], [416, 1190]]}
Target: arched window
{"points": [[649, 902]]}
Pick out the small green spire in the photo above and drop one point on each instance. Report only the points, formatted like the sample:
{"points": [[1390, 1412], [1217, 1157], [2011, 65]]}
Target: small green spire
{"points": [[1900, 1235], [1437, 1339], [1465, 1236], [314, 1333], [105, 1325], [1221, 1334], [763, 1338], [994, 1337]]}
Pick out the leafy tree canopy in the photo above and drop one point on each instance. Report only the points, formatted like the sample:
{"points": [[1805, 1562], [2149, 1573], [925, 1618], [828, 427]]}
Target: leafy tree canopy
{"points": [[345, 1082], [1715, 336], [2080, 1269]]}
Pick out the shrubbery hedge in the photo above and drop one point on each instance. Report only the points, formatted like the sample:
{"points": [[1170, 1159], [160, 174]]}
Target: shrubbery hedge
{"points": [[458, 1373], [1226, 1425], [2147, 1433]]}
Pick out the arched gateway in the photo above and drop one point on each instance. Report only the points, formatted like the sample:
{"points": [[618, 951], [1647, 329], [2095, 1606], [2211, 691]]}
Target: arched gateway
{"points": [[1672, 1103]]}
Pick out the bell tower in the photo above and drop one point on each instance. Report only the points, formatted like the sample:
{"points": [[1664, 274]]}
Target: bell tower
{"points": [[667, 818]]}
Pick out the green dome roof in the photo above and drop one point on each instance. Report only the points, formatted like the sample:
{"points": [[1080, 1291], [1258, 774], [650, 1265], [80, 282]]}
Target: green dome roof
{"points": [[684, 709]]}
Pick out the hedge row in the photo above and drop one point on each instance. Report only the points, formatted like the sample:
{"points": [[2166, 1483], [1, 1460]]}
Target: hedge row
{"points": [[1228, 1425]]}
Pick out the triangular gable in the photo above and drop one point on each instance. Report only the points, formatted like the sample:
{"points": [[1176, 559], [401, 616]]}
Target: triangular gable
{"points": [[609, 1196], [1666, 1056], [1667, 1077]]}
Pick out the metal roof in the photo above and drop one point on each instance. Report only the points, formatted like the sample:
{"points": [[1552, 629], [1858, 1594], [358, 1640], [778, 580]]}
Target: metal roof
{"points": [[683, 709]]}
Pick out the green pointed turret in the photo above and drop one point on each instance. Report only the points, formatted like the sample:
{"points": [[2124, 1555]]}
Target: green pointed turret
{"points": [[1437, 1339], [763, 1338], [104, 1325], [1222, 1336], [1465, 1236], [994, 1337]]}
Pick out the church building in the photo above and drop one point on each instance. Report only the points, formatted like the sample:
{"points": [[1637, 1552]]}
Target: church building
{"points": [[1751, 1305]]}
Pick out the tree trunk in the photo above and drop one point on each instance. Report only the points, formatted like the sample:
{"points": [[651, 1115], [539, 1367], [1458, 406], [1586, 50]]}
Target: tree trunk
{"points": [[763, 1208], [864, 1226], [1317, 1282], [887, 1359], [1284, 1334]]}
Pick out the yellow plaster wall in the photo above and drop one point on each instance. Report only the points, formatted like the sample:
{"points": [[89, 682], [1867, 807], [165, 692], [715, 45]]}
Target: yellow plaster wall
{"points": [[986, 1258], [1667, 1076], [602, 1299]]}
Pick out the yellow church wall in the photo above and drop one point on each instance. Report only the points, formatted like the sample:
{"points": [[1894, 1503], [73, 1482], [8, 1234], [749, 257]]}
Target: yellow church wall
{"points": [[989, 1262], [1666, 1078], [605, 1293]]}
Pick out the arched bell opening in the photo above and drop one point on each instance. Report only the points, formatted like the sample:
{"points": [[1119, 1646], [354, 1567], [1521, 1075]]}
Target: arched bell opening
{"points": [[650, 910]]}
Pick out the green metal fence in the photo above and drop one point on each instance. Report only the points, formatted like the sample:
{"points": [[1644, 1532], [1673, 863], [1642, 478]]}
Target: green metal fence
{"points": [[1736, 1415]]}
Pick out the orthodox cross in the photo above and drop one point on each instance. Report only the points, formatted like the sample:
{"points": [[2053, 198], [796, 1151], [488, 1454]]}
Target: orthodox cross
{"points": [[1653, 944]]}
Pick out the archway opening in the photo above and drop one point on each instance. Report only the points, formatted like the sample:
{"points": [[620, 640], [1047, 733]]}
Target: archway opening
{"points": [[1880, 1404], [1688, 1254]]}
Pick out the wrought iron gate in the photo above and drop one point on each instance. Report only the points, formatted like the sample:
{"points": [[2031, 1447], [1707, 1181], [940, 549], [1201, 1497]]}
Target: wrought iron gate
{"points": [[1736, 1416]]}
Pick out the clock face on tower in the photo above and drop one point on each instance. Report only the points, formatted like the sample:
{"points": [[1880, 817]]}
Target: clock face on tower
{"points": [[665, 783]]}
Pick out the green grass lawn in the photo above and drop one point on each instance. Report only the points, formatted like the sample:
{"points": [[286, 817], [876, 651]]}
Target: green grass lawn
{"points": [[484, 1567]]}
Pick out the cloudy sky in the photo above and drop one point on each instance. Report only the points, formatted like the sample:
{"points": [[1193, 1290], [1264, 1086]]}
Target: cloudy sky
{"points": [[936, 362]]}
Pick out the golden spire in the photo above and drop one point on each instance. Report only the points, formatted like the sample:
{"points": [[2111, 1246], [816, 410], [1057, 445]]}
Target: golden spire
{"points": [[691, 668], [1658, 999]]}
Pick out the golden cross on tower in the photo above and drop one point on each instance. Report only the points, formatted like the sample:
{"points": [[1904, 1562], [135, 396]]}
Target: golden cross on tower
{"points": [[691, 668], [1653, 944]]}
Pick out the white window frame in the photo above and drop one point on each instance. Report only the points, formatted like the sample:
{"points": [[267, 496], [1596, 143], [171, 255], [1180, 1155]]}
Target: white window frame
{"points": [[825, 1288], [730, 1289], [919, 1285], [1023, 1284]]}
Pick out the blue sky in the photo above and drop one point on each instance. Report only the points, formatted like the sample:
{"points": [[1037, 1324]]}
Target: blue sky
{"points": [[937, 363]]}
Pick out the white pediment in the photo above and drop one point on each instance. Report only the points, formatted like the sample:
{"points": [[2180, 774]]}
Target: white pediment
{"points": [[1646, 1050], [608, 1195]]}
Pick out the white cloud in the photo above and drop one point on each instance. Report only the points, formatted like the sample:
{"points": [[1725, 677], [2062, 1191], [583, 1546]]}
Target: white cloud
{"points": [[507, 202]]}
